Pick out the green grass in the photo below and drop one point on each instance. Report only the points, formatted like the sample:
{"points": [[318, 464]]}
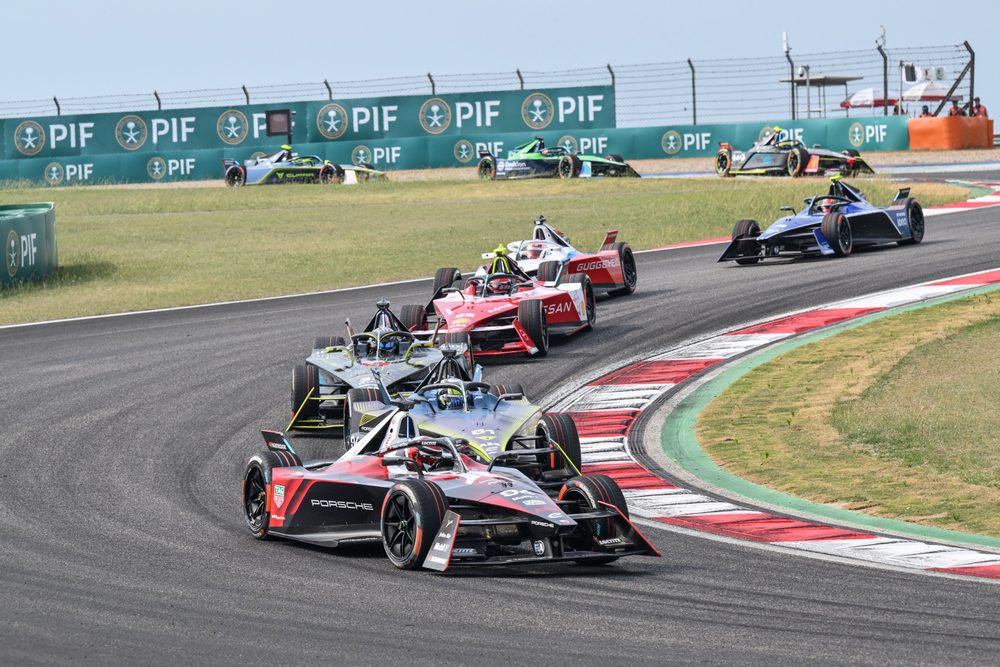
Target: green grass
{"points": [[124, 249], [895, 418]]}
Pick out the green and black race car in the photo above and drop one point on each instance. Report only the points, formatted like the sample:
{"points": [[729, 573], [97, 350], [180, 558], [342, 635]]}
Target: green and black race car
{"points": [[776, 154], [534, 160]]}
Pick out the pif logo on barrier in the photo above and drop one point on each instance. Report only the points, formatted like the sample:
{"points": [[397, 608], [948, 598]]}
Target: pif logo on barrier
{"points": [[464, 151], [435, 115], [156, 168], [671, 142], [10, 253], [54, 173], [859, 134], [570, 144], [232, 127], [331, 121], [131, 132], [29, 138], [361, 154], [537, 111]]}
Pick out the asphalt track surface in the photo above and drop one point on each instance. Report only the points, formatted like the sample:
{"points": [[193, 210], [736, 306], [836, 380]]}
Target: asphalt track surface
{"points": [[122, 539]]}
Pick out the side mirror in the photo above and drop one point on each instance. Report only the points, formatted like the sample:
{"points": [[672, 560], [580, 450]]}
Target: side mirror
{"points": [[398, 460], [789, 209]]}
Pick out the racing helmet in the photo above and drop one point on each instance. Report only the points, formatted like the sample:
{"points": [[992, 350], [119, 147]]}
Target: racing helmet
{"points": [[499, 285], [532, 250], [386, 344], [450, 399], [428, 456]]}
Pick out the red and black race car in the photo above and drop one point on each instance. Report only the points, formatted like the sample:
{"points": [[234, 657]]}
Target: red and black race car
{"points": [[506, 311], [549, 254], [433, 506]]}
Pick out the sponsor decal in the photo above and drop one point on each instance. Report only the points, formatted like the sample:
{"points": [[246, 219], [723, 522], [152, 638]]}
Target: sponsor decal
{"points": [[10, 253], [331, 121], [464, 151], [539, 547], [557, 308], [131, 132], [856, 134], [279, 494], [670, 142], [556, 515], [342, 505], [537, 111], [438, 560], [595, 264], [156, 168], [435, 115], [543, 524], [361, 154], [464, 551], [569, 143], [54, 173], [232, 126], [609, 541], [29, 138]]}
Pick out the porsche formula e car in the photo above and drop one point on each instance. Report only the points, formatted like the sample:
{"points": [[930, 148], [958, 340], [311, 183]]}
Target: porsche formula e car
{"points": [[320, 387], [286, 166], [831, 224], [506, 311], [534, 160], [433, 506], [549, 254], [777, 155], [450, 402]]}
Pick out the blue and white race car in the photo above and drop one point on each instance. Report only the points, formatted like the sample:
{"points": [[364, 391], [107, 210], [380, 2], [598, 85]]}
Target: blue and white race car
{"points": [[285, 166], [831, 224]]}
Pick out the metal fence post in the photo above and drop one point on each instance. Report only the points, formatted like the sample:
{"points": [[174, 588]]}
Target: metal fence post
{"points": [[694, 96], [972, 72], [520, 78], [612, 73], [885, 80], [433, 85], [58, 108], [791, 78], [329, 90], [159, 105], [246, 94]]}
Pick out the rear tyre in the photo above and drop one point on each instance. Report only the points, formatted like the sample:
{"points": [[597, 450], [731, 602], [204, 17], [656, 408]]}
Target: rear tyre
{"points": [[352, 420], [256, 477], [446, 277], [588, 492], [561, 428], [531, 315], [588, 295], [323, 342], [411, 517], [487, 169], [795, 162], [746, 229], [414, 318], [629, 271], [915, 213], [837, 230], [724, 164], [305, 378], [547, 271], [569, 166]]}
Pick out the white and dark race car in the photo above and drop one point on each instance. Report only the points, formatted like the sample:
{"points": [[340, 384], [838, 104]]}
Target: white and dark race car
{"points": [[286, 167]]}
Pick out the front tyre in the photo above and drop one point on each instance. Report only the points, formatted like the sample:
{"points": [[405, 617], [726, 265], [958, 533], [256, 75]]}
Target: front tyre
{"points": [[589, 302], [256, 477], [837, 230], [236, 177], [411, 517], [531, 315], [587, 492], [569, 166], [487, 168], [746, 229], [413, 317], [724, 163], [795, 162], [561, 429], [305, 378]]}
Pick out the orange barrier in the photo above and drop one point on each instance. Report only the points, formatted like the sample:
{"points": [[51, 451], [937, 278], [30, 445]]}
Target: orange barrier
{"points": [[950, 132]]}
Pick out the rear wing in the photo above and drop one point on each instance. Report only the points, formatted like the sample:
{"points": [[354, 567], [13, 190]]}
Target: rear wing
{"points": [[609, 239], [229, 162], [901, 195]]}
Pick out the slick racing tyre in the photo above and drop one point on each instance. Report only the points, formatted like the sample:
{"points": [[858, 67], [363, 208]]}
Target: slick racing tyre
{"points": [[590, 303], [331, 174], [531, 315], [256, 477], [915, 213], [305, 377], [561, 429], [323, 342], [587, 492], [746, 229], [501, 389], [414, 318], [547, 271], [236, 177], [446, 277], [487, 169], [837, 230], [724, 164], [795, 162], [629, 271], [352, 420], [411, 517], [569, 166]]}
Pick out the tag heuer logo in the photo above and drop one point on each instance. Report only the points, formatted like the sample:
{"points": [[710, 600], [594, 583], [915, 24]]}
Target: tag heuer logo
{"points": [[10, 253], [671, 142], [856, 134], [361, 155], [54, 173], [29, 138], [569, 143], [131, 132], [536, 111], [331, 121], [435, 115], [232, 127], [279, 494], [156, 168], [464, 151]]}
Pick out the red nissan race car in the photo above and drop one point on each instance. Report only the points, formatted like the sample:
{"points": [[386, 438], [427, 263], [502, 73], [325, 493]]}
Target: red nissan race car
{"points": [[506, 311], [548, 254]]}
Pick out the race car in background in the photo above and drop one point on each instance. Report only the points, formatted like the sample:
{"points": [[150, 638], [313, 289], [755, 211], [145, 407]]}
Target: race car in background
{"points": [[831, 224], [320, 387], [548, 256], [432, 505], [777, 155], [534, 160], [286, 166]]}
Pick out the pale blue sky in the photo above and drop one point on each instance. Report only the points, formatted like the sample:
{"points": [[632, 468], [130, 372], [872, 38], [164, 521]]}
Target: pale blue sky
{"points": [[78, 48]]}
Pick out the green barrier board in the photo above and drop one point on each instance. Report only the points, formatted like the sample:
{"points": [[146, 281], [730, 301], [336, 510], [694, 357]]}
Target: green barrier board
{"points": [[29, 241]]}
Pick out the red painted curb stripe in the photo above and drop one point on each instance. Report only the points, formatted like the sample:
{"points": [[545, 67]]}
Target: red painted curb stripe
{"points": [[656, 372], [613, 423], [629, 476], [814, 319], [763, 527], [987, 278], [987, 571]]}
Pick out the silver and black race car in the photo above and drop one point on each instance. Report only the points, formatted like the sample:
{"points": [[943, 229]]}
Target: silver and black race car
{"points": [[832, 224], [778, 155], [286, 167]]}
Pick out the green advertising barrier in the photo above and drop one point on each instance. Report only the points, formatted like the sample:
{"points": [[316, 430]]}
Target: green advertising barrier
{"points": [[29, 240], [462, 150], [560, 109]]}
